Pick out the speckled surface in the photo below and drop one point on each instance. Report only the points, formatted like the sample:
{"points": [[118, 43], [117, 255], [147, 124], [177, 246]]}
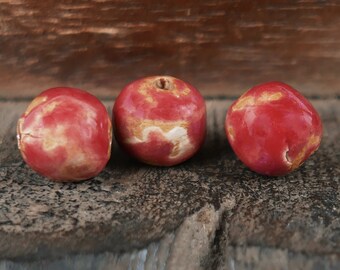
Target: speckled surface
{"points": [[130, 204]]}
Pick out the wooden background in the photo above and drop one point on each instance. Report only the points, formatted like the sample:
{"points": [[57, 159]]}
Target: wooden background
{"points": [[210, 212], [222, 47]]}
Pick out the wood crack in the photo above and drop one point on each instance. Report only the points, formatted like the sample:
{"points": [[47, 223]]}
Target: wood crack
{"points": [[218, 245]]}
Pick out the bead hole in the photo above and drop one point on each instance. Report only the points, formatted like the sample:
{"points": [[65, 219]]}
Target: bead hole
{"points": [[163, 84]]}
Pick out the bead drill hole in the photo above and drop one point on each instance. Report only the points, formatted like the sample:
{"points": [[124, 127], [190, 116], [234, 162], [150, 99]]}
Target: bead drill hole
{"points": [[163, 84]]}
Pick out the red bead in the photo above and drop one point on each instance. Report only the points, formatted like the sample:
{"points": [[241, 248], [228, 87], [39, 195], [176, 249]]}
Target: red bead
{"points": [[160, 120], [273, 129], [65, 134]]}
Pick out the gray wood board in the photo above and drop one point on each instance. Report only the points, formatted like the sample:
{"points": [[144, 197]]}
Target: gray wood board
{"points": [[130, 205], [187, 248]]}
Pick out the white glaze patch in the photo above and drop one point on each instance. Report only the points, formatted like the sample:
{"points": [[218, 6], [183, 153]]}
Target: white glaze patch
{"points": [[249, 100], [53, 137], [177, 136], [285, 157]]}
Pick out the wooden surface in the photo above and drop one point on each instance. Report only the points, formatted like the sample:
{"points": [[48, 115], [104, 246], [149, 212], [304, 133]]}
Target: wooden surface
{"points": [[222, 47], [208, 213]]}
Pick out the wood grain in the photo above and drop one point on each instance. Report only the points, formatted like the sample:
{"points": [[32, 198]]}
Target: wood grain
{"points": [[222, 47], [211, 209], [184, 249]]}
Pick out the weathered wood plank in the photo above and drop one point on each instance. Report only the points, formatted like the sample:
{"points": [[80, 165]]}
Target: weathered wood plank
{"points": [[222, 47], [129, 205], [183, 249]]}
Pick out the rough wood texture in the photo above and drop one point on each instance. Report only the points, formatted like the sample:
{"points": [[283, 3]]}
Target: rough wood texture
{"points": [[185, 249], [222, 47], [245, 220]]}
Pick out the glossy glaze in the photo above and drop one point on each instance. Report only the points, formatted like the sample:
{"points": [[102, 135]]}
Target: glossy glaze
{"points": [[273, 129], [65, 134], [160, 120]]}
